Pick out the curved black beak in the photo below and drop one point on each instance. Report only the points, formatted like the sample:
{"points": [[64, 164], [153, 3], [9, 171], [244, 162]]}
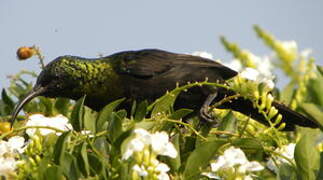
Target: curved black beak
{"points": [[36, 91]]}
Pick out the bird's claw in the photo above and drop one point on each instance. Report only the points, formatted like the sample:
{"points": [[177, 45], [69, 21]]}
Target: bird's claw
{"points": [[205, 115], [205, 112]]}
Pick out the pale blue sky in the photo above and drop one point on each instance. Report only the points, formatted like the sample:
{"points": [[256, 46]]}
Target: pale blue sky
{"points": [[88, 28]]}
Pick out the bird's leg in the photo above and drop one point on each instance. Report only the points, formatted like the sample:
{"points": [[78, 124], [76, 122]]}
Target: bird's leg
{"points": [[204, 111]]}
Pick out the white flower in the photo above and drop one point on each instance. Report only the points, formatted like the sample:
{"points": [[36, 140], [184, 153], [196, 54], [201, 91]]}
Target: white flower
{"points": [[12, 146], [135, 145], [162, 167], [8, 152], [203, 54], [287, 151], [250, 73], [59, 122], [161, 145], [248, 178], [234, 64], [143, 135], [146, 147], [261, 73], [254, 75], [163, 176], [306, 53], [140, 170], [17, 143], [233, 157], [7, 166], [289, 46], [211, 175], [250, 167], [158, 141], [156, 167], [87, 133], [264, 66]]}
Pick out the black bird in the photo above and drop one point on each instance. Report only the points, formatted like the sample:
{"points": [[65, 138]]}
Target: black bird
{"points": [[146, 75]]}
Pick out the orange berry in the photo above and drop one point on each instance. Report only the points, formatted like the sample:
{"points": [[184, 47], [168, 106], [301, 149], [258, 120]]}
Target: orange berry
{"points": [[25, 53], [4, 127]]}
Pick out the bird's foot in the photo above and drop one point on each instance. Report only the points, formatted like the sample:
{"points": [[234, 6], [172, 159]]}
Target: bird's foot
{"points": [[205, 111]]}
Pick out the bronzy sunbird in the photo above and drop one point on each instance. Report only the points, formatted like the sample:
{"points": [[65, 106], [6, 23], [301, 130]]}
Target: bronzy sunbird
{"points": [[147, 75]]}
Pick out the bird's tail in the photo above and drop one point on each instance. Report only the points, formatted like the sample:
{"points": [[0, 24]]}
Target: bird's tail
{"points": [[289, 117]]}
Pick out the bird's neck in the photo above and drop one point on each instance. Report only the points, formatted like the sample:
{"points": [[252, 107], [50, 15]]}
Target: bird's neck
{"points": [[95, 78]]}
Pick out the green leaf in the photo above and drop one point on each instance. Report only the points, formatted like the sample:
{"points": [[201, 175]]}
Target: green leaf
{"points": [[101, 145], [77, 115], [251, 146], [141, 111], [69, 166], [54, 173], [187, 147], [60, 148], [165, 103], [3, 108], [121, 140], [177, 115], [96, 164], [314, 89], [286, 172], [228, 123], [90, 117], [133, 108], [62, 106], [105, 115], [46, 106], [288, 93], [7, 101], [85, 159], [114, 127], [122, 114], [320, 69], [320, 175], [201, 157], [314, 111], [307, 157]]}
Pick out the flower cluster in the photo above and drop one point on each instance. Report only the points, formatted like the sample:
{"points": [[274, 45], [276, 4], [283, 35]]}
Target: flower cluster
{"points": [[144, 148], [261, 72], [59, 122], [233, 162], [285, 151], [8, 153], [203, 54]]}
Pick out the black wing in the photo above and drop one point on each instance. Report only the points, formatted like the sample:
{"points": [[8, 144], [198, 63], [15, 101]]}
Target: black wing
{"points": [[151, 62]]}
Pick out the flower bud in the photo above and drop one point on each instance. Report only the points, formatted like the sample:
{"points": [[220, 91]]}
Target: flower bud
{"points": [[256, 94], [272, 112], [32, 162], [282, 126], [263, 102], [4, 127], [269, 101], [278, 119], [25, 52], [38, 159]]}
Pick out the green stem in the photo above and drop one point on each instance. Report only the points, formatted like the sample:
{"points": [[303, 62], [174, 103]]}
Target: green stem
{"points": [[189, 126], [28, 127]]}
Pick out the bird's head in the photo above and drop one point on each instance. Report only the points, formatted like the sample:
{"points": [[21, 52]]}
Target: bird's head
{"points": [[55, 80]]}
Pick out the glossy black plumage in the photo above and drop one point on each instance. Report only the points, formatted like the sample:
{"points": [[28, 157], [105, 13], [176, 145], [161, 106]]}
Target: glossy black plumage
{"points": [[147, 75]]}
